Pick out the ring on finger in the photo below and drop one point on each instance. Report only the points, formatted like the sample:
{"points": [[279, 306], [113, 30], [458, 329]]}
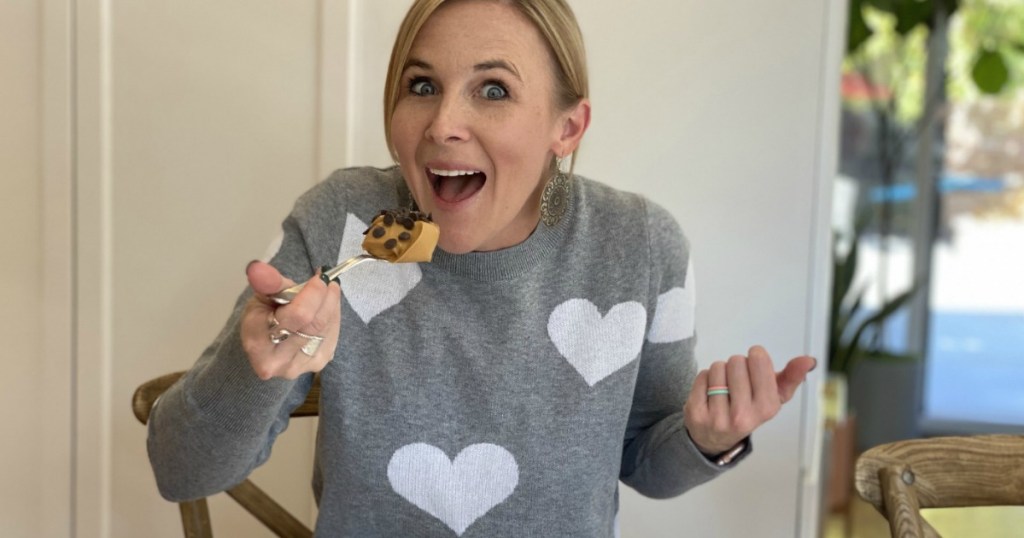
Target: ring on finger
{"points": [[272, 322], [312, 343], [279, 335], [717, 390]]}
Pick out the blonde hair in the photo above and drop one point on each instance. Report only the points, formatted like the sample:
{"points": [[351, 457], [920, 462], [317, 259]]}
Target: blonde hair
{"points": [[556, 23]]}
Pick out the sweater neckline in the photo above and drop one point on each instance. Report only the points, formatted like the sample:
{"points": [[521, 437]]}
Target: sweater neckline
{"points": [[508, 263]]}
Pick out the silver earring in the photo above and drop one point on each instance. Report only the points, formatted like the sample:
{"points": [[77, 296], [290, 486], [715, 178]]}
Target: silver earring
{"points": [[555, 199], [405, 198]]}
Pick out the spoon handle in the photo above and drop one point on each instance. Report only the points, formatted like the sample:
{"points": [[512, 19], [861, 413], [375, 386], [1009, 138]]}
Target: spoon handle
{"points": [[286, 296]]}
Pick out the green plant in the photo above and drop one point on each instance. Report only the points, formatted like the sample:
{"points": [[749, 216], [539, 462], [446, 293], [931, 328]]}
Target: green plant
{"points": [[848, 326], [993, 29]]}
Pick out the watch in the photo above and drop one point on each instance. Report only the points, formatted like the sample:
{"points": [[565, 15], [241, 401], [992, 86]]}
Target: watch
{"points": [[727, 457]]}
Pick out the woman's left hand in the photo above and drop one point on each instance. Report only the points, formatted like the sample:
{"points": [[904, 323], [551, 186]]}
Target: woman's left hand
{"points": [[755, 393]]}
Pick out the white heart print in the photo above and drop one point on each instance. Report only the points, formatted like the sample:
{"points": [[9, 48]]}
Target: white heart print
{"points": [[595, 345], [371, 290], [674, 318], [457, 492]]}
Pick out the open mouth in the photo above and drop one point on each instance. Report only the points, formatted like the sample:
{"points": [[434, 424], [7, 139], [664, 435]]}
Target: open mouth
{"points": [[453, 186]]}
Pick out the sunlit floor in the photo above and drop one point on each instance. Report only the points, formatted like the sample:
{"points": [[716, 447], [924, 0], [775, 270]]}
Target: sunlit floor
{"points": [[995, 522]]}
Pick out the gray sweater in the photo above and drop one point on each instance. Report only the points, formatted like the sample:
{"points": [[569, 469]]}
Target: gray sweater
{"points": [[481, 395]]}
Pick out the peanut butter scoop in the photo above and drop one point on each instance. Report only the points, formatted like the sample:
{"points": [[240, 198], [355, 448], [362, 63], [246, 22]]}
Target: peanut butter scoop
{"points": [[402, 236]]}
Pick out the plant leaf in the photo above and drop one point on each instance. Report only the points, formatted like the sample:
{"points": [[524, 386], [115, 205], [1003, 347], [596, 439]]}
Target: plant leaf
{"points": [[855, 307], [990, 72], [861, 221], [889, 6], [887, 310], [857, 31], [845, 320], [911, 13], [843, 270], [893, 357]]}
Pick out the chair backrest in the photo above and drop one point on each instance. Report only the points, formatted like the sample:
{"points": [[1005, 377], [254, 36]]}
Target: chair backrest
{"points": [[903, 477], [195, 515]]}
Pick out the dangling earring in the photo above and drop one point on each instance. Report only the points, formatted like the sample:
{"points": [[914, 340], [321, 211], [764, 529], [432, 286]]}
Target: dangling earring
{"points": [[405, 199], [555, 199]]}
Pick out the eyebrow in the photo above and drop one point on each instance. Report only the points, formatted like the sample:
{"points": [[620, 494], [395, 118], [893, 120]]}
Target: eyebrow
{"points": [[482, 66]]}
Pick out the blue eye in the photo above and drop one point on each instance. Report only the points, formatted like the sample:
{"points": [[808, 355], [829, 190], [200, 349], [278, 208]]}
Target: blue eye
{"points": [[494, 91], [422, 86]]}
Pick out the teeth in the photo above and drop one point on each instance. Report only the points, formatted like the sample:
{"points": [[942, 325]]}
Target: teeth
{"points": [[453, 173]]}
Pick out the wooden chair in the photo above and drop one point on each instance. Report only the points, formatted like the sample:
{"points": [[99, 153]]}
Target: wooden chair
{"points": [[195, 515], [903, 477]]}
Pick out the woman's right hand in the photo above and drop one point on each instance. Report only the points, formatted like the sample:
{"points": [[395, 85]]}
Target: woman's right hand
{"points": [[315, 311]]}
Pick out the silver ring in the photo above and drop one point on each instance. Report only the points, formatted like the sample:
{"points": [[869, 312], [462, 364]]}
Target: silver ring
{"points": [[312, 343], [280, 335], [272, 322]]}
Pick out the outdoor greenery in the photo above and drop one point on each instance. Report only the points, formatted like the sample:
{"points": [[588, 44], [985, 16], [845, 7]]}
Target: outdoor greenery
{"points": [[887, 49], [987, 43], [895, 104], [887, 45]]}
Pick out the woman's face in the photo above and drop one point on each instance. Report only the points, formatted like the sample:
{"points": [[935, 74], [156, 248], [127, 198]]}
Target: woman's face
{"points": [[475, 126]]}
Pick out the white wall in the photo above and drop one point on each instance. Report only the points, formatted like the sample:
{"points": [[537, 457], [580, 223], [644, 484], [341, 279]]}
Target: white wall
{"points": [[721, 123], [151, 148], [213, 133], [715, 110], [21, 319]]}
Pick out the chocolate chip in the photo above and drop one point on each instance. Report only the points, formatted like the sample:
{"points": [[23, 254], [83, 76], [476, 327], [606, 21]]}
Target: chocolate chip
{"points": [[389, 219], [378, 232], [407, 223], [404, 236], [390, 243]]}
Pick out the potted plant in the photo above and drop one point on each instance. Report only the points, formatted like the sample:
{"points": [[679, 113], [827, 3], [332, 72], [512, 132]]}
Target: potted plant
{"points": [[874, 375], [859, 389]]}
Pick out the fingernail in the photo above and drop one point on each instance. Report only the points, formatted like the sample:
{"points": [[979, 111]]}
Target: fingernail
{"points": [[248, 265], [815, 365]]}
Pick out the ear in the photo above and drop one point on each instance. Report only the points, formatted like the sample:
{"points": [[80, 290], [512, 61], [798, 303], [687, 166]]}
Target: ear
{"points": [[574, 123]]}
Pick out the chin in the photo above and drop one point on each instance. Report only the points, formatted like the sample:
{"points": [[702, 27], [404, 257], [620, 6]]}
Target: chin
{"points": [[455, 245]]}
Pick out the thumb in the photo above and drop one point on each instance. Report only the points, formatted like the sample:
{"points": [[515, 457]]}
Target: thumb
{"points": [[793, 375], [265, 279]]}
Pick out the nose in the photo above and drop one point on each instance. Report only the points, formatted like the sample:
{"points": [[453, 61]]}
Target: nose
{"points": [[449, 124]]}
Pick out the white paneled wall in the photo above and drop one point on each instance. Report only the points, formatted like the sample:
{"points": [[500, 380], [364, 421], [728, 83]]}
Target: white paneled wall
{"points": [[154, 149], [21, 320], [214, 131], [150, 149]]}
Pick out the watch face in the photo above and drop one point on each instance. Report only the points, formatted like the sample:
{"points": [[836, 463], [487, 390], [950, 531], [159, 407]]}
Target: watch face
{"points": [[729, 455]]}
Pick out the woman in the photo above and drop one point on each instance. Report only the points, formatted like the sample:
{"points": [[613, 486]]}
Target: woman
{"points": [[505, 388]]}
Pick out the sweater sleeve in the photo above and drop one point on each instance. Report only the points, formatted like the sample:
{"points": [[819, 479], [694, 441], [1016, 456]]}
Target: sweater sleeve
{"points": [[217, 423], [659, 459]]}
